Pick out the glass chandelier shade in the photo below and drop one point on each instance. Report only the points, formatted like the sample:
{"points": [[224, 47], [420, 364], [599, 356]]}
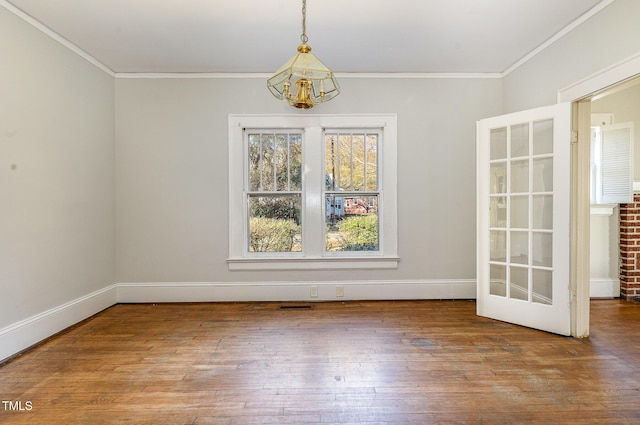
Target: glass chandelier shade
{"points": [[303, 81]]}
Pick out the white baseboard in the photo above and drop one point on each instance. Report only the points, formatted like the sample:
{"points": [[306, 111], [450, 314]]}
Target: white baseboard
{"points": [[25, 333], [296, 291], [21, 335], [604, 288]]}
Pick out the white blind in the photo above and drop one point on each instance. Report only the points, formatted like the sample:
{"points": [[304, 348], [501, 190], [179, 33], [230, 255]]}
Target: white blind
{"points": [[617, 163]]}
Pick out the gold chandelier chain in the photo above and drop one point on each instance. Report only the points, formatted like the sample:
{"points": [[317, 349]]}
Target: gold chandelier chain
{"points": [[304, 37]]}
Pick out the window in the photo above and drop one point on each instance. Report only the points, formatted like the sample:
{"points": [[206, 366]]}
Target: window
{"points": [[274, 190], [312, 192], [351, 170], [612, 164]]}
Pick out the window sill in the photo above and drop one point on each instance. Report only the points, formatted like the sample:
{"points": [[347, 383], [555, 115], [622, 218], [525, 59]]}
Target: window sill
{"points": [[313, 263], [603, 209]]}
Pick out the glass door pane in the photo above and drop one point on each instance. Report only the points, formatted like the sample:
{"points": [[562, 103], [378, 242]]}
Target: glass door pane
{"points": [[521, 211], [519, 283], [498, 143], [524, 252]]}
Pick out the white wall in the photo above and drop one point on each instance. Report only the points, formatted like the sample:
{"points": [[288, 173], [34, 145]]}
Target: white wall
{"points": [[607, 38], [171, 139], [57, 227]]}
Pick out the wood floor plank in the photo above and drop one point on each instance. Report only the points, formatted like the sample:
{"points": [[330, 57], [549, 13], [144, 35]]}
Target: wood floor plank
{"points": [[401, 362]]}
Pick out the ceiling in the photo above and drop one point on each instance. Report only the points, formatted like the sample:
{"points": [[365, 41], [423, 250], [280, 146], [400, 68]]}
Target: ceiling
{"points": [[349, 36]]}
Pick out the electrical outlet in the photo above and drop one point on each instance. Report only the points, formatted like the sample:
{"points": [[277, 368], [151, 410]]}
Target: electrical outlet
{"points": [[339, 291], [314, 292]]}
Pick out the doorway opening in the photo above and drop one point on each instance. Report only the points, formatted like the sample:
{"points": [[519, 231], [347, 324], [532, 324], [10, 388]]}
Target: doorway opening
{"points": [[614, 261], [581, 95]]}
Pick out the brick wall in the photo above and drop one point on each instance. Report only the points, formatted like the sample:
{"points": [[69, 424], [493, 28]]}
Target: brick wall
{"points": [[630, 248]]}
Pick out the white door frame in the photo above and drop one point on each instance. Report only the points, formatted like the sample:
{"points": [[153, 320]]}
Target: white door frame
{"points": [[581, 93]]}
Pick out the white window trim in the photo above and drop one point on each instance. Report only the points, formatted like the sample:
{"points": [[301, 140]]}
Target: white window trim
{"points": [[385, 258]]}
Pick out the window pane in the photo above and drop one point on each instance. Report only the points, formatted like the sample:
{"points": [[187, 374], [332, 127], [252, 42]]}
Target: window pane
{"points": [[282, 162], [498, 279], [295, 161], [498, 211], [543, 211], [519, 283], [371, 162], [267, 180], [498, 143], [255, 149], [543, 137], [542, 286], [542, 249], [543, 175], [351, 162], [519, 176], [351, 222], [520, 212], [331, 166], [497, 178], [344, 176], [275, 162], [357, 161], [275, 223], [498, 245], [519, 140], [520, 247]]}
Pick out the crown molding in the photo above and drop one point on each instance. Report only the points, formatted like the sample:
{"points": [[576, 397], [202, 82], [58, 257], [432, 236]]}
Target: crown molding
{"points": [[345, 75], [57, 37], [566, 30]]}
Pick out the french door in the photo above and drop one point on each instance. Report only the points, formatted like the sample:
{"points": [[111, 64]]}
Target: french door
{"points": [[523, 263]]}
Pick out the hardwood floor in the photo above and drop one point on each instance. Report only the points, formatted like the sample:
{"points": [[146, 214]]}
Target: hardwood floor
{"points": [[405, 362]]}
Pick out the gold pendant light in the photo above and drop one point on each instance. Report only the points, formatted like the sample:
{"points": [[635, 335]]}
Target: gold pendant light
{"points": [[313, 82]]}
